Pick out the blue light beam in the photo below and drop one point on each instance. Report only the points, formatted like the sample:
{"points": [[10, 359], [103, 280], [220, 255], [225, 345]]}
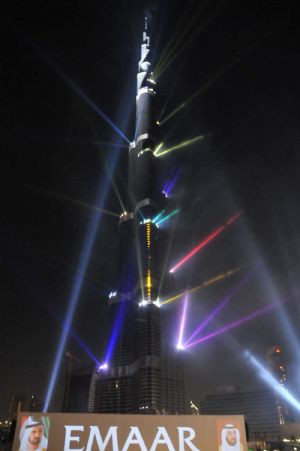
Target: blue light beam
{"points": [[76, 289], [115, 333], [78, 91], [86, 248], [272, 382], [169, 185], [79, 277]]}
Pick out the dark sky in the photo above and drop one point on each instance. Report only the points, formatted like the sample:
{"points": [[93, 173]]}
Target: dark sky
{"points": [[56, 147]]}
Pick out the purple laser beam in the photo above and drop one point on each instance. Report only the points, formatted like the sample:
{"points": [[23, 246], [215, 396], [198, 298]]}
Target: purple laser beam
{"points": [[236, 323], [169, 185], [221, 305], [182, 322]]}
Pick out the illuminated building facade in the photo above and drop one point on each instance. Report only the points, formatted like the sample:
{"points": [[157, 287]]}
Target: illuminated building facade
{"points": [[259, 408], [79, 390], [275, 360], [141, 373]]}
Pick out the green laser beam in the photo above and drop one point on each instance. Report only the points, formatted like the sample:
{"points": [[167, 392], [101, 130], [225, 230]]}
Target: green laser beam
{"points": [[165, 218], [159, 153], [158, 216]]}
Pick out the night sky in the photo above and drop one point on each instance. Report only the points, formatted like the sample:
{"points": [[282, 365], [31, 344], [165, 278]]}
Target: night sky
{"points": [[56, 153]]}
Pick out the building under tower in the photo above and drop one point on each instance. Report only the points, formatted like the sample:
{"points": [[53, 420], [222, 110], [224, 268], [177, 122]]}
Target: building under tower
{"points": [[275, 360], [142, 372]]}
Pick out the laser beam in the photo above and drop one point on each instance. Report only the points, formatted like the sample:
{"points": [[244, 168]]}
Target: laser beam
{"points": [[182, 322], [176, 36], [165, 218], [115, 332], [205, 284], [84, 258], [166, 258], [54, 314], [78, 90], [207, 240], [159, 153], [91, 103], [158, 216], [71, 200], [84, 346], [197, 248], [75, 292], [112, 180], [272, 382], [222, 304], [157, 148], [233, 325], [215, 77], [187, 38], [169, 185]]}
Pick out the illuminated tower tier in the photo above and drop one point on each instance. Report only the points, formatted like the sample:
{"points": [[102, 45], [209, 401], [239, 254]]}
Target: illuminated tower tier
{"points": [[142, 374]]}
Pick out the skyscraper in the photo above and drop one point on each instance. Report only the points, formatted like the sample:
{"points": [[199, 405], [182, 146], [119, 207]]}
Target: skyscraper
{"points": [[257, 406], [275, 360], [141, 372]]}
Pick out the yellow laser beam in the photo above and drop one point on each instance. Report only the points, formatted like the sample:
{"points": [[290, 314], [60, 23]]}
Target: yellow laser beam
{"points": [[215, 78], [186, 42], [173, 37], [200, 90], [188, 142], [157, 148], [209, 282], [171, 48]]}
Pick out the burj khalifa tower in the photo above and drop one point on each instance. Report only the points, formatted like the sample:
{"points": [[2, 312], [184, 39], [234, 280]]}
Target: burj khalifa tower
{"points": [[141, 373]]}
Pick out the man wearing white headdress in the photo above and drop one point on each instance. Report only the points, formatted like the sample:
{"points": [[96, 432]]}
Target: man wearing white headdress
{"points": [[32, 436], [231, 439]]}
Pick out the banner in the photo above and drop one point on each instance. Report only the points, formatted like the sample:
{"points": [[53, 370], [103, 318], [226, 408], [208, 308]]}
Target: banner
{"points": [[110, 432]]}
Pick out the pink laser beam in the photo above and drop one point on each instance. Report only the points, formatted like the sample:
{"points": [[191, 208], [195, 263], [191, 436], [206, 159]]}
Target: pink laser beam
{"points": [[203, 243]]}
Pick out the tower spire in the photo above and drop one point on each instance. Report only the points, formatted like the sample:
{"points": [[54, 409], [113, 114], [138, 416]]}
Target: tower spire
{"points": [[144, 63]]}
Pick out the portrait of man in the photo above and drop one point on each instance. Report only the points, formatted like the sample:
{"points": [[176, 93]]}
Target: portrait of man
{"points": [[33, 434], [231, 440]]}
